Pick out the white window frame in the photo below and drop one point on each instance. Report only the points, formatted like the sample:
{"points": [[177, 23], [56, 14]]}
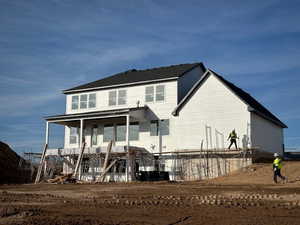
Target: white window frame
{"points": [[154, 93], [117, 98], [75, 102], [87, 101]]}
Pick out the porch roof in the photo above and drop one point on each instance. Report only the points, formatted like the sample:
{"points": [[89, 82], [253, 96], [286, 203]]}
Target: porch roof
{"points": [[96, 114]]}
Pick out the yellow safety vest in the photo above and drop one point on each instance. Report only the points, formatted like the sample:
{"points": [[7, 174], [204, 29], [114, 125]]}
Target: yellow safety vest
{"points": [[232, 135], [277, 163]]}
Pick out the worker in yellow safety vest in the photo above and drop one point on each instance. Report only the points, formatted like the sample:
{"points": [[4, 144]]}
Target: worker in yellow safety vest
{"points": [[232, 137], [277, 165]]}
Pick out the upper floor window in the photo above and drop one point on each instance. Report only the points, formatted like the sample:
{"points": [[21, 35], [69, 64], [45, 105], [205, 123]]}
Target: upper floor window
{"points": [[84, 101], [75, 100], [158, 96], [117, 97], [160, 93], [149, 95]]}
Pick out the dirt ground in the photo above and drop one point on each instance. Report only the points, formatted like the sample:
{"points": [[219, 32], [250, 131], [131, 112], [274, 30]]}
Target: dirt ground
{"points": [[246, 198]]}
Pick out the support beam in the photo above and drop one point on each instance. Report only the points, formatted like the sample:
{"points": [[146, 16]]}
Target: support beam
{"points": [[81, 146], [102, 177], [38, 175]]}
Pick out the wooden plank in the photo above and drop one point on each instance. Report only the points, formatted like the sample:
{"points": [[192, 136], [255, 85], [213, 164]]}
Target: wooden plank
{"points": [[102, 177], [79, 160], [38, 175]]}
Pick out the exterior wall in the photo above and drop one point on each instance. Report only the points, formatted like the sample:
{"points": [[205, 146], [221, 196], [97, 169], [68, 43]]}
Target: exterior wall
{"points": [[186, 82], [209, 116], [157, 110], [266, 135]]}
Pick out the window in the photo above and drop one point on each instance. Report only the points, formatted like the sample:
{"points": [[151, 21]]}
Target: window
{"points": [[75, 100], [134, 130], [112, 98], [108, 133], [154, 128], [83, 101], [161, 127], [149, 94], [160, 93], [122, 97], [92, 100], [164, 127], [121, 132], [86, 101], [95, 135], [73, 135]]}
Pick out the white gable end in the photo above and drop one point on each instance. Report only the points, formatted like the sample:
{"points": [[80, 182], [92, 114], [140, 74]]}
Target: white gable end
{"points": [[209, 116]]}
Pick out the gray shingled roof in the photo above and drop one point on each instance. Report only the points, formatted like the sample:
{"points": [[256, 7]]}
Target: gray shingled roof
{"points": [[134, 76]]}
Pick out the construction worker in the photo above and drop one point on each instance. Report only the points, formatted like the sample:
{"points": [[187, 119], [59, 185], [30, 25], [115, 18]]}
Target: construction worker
{"points": [[232, 137], [277, 165]]}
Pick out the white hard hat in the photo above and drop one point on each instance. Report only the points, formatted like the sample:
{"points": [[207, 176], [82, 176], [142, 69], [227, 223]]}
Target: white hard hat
{"points": [[276, 154]]}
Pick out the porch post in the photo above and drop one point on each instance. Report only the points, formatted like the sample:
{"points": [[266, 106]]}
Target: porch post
{"points": [[80, 146], [127, 147], [47, 133]]}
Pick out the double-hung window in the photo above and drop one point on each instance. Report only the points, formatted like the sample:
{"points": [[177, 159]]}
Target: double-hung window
{"points": [[95, 135], [160, 93], [92, 100], [83, 101], [122, 97], [75, 101], [155, 93], [117, 97], [149, 94]]}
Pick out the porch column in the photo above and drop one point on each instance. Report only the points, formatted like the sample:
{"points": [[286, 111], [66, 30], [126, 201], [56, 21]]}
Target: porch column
{"points": [[127, 148], [47, 133], [80, 146]]}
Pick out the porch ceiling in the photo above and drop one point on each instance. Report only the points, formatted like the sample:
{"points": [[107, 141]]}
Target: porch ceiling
{"points": [[118, 115]]}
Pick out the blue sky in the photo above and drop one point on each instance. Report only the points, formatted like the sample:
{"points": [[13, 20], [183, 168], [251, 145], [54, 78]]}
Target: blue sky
{"points": [[50, 45]]}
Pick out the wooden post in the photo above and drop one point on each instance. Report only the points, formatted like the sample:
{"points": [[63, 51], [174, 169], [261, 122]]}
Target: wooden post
{"points": [[79, 160], [38, 175], [102, 177]]}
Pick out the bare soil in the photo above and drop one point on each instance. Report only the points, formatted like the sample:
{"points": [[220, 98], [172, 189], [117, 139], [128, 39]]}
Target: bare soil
{"points": [[246, 198]]}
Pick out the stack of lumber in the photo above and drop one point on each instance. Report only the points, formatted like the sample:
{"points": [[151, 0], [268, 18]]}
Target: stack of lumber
{"points": [[62, 179]]}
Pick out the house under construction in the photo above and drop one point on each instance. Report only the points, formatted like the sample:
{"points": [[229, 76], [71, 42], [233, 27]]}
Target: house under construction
{"points": [[162, 123]]}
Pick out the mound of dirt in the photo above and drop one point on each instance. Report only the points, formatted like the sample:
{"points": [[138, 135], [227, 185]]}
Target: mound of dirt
{"points": [[261, 173], [14, 169]]}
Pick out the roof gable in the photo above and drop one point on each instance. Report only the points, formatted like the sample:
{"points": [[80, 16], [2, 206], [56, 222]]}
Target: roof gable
{"points": [[253, 105], [137, 76]]}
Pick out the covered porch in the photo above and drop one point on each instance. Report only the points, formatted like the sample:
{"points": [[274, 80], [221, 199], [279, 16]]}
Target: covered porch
{"points": [[86, 143]]}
